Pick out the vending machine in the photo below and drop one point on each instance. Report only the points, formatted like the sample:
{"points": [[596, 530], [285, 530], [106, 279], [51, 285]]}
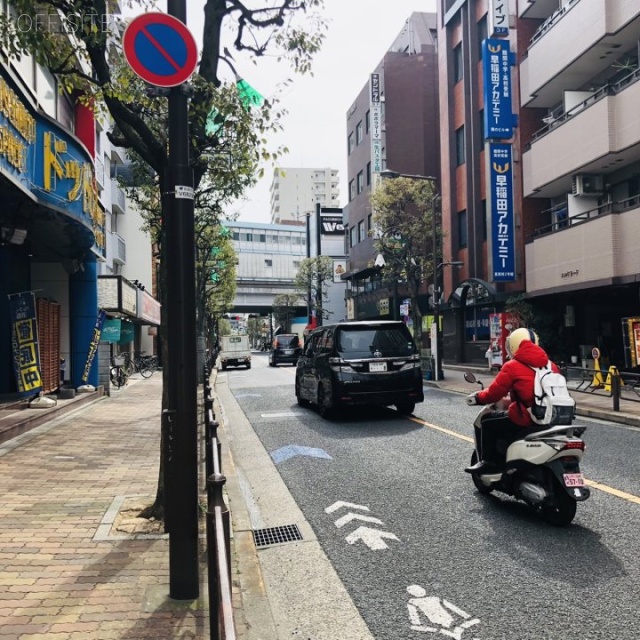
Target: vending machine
{"points": [[631, 341], [500, 326]]}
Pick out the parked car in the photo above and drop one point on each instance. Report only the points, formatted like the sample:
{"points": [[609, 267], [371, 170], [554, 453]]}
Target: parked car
{"points": [[360, 363], [286, 348]]}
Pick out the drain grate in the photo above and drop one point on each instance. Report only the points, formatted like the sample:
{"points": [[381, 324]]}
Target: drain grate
{"points": [[276, 535]]}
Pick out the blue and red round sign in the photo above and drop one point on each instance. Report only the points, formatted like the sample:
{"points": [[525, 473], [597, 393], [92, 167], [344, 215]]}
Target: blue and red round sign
{"points": [[160, 49]]}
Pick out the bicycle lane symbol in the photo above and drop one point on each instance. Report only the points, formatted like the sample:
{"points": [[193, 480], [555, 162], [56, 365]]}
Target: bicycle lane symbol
{"points": [[438, 612]]}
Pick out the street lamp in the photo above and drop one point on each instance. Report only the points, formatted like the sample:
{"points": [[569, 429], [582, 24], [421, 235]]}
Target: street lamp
{"points": [[436, 345]]}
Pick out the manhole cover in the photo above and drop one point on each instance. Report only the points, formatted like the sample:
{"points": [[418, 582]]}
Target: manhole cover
{"points": [[276, 535]]}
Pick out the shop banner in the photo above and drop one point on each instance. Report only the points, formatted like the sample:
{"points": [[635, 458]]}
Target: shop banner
{"points": [[111, 330], [126, 332], [93, 346], [24, 343]]}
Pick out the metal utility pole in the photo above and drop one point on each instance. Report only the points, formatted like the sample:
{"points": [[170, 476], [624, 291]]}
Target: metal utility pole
{"points": [[180, 420]]}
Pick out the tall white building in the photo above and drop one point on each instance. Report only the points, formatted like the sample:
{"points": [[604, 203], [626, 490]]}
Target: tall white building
{"points": [[295, 192]]}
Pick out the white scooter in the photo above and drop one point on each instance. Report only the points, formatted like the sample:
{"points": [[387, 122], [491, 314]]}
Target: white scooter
{"points": [[542, 468]]}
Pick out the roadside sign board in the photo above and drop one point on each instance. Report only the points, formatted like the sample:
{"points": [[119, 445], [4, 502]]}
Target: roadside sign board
{"points": [[160, 49]]}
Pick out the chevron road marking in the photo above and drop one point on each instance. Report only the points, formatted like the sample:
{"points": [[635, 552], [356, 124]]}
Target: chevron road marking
{"points": [[340, 522], [373, 538], [337, 505]]}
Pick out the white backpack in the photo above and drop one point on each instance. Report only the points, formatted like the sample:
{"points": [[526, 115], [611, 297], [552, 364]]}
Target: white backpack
{"points": [[552, 404]]}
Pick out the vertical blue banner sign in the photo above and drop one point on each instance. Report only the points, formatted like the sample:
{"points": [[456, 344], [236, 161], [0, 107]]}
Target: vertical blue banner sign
{"points": [[502, 236], [24, 343], [93, 346], [496, 72]]}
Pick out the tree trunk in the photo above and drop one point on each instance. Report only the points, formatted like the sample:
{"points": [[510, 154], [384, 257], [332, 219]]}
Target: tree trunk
{"points": [[156, 510]]}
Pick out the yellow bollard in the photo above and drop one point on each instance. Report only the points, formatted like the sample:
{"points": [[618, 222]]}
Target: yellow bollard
{"points": [[597, 381], [612, 371]]}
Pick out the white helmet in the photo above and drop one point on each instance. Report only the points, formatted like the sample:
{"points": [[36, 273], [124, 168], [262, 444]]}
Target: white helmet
{"points": [[515, 338]]}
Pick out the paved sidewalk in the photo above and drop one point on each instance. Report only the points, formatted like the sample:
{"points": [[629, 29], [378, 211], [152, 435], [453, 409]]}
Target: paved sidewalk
{"points": [[65, 574], [593, 405]]}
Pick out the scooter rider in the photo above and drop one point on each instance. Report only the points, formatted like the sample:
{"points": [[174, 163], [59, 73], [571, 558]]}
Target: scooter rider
{"points": [[516, 380]]}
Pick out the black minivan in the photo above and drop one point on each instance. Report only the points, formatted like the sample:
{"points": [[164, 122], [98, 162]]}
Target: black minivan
{"points": [[286, 348], [372, 362]]}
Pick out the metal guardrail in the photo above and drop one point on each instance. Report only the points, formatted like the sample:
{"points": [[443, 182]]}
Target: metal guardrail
{"points": [[607, 384], [218, 529]]}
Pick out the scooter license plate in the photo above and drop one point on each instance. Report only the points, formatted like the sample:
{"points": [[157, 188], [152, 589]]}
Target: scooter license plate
{"points": [[573, 480]]}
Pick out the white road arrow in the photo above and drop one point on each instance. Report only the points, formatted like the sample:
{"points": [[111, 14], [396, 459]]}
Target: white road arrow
{"points": [[371, 537], [337, 505], [340, 522]]}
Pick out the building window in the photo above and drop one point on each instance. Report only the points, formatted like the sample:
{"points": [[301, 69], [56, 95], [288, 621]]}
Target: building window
{"points": [[353, 240], [457, 64], [360, 182], [362, 234], [350, 143], [460, 158], [296, 264], [483, 33], [268, 263], [369, 222], [248, 237], [236, 235], [359, 133], [368, 173], [367, 121], [462, 229], [262, 238], [352, 190]]}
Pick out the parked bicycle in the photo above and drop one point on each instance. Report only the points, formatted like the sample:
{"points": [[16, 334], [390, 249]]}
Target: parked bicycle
{"points": [[118, 372], [142, 364]]}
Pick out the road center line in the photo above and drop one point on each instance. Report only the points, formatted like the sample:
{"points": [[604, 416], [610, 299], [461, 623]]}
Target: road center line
{"points": [[437, 428], [629, 497]]}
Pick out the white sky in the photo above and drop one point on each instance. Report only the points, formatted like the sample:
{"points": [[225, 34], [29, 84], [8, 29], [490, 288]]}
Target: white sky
{"points": [[359, 34]]}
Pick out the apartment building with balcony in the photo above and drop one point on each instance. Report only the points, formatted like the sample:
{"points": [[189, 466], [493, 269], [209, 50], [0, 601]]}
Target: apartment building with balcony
{"points": [[296, 191], [579, 77], [393, 124]]}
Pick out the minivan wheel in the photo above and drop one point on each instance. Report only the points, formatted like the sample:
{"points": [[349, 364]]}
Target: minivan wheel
{"points": [[324, 409], [406, 408], [301, 401]]}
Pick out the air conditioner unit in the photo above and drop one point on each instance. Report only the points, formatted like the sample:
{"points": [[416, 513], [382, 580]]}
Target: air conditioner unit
{"points": [[587, 184]]}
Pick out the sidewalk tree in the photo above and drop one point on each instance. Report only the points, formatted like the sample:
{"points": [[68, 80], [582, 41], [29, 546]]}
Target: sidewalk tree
{"points": [[284, 309], [70, 40], [403, 220], [312, 281]]}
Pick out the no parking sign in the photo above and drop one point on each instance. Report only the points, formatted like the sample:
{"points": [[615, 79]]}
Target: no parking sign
{"points": [[160, 49]]}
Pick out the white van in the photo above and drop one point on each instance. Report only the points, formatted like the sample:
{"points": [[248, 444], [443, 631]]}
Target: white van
{"points": [[235, 351]]}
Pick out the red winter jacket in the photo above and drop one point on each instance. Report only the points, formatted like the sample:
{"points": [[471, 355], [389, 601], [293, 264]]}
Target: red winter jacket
{"points": [[516, 379]]}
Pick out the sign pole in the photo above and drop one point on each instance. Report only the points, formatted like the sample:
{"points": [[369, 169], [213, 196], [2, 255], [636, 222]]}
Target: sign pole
{"points": [[181, 471]]}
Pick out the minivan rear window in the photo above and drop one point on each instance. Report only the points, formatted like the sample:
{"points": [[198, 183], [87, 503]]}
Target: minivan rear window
{"points": [[372, 342], [287, 342]]}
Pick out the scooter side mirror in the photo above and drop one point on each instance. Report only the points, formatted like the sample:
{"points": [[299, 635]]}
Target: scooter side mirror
{"points": [[469, 377]]}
